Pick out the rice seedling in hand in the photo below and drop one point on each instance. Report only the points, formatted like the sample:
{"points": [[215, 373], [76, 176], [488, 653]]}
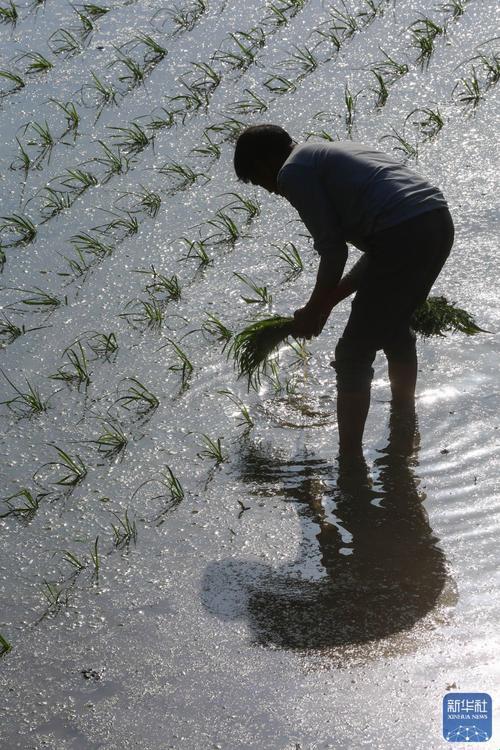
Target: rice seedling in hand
{"points": [[139, 396], [216, 328], [112, 440], [436, 317], [27, 403], [5, 646], [213, 450], [124, 532], [38, 63], [245, 420], [76, 370], [9, 13], [261, 292], [291, 258], [255, 343], [73, 468], [12, 78], [21, 227]]}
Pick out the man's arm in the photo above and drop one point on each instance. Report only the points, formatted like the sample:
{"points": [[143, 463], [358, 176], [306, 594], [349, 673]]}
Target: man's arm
{"points": [[329, 290]]}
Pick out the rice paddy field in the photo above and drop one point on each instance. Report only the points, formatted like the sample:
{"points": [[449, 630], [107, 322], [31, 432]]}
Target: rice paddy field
{"points": [[183, 563]]}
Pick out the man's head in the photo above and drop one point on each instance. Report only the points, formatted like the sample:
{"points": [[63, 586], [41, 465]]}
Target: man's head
{"points": [[260, 153]]}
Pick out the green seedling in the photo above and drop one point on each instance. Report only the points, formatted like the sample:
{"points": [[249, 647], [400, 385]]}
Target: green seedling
{"points": [[29, 506], [216, 328], [303, 61], [403, 145], [54, 201], [26, 403], [247, 45], [148, 312], [172, 484], [41, 299], [86, 23], [468, 90], [282, 11], [74, 466], [22, 226], [492, 65], [57, 597], [192, 101], [454, 7], [103, 344], [197, 249], [125, 531], [74, 561], [5, 646], [382, 91], [90, 244], [291, 258], [424, 32], [228, 230], [104, 93], [135, 72], [184, 19], [213, 450], [159, 121], [209, 80], [248, 206], [76, 370], [253, 105], [79, 180], [10, 330], [431, 124], [132, 139], [161, 284], [62, 42], [185, 175], [124, 221], [209, 149], [114, 162], [350, 100], [38, 63], [24, 160], [71, 113], [155, 51], [183, 363], [261, 292], [9, 13], [371, 11], [150, 202], [95, 11], [139, 396], [8, 75], [390, 68], [280, 85], [341, 25], [245, 420], [112, 440], [229, 129]]}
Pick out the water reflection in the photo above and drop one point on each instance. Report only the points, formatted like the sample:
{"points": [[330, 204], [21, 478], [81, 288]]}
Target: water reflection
{"points": [[382, 568]]}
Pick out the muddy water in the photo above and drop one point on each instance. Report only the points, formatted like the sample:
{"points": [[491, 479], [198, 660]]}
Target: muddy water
{"points": [[285, 600]]}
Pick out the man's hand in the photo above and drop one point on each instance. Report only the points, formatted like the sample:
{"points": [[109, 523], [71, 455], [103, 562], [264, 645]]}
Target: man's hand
{"points": [[309, 321]]}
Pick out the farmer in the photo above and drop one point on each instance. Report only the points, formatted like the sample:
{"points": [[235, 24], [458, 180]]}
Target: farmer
{"points": [[347, 192]]}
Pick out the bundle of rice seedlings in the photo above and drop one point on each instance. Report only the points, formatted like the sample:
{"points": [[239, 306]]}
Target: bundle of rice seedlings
{"points": [[252, 347]]}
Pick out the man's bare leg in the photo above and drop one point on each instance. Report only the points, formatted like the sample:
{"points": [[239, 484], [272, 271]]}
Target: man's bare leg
{"points": [[403, 377], [352, 410]]}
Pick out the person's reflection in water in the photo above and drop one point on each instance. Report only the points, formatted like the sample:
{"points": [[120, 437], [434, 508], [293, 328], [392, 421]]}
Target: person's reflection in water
{"points": [[384, 570]]}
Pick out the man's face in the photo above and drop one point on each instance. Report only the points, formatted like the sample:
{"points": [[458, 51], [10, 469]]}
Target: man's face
{"points": [[265, 176]]}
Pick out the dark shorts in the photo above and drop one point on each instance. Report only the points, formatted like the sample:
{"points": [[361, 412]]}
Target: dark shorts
{"points": [[404, 261]]}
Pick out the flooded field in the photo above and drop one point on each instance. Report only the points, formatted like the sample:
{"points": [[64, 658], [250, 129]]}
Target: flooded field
{"points": [[185, 564]]}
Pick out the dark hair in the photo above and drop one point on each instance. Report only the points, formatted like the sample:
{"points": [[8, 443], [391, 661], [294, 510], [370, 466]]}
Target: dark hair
{"points": [[259, 142]]}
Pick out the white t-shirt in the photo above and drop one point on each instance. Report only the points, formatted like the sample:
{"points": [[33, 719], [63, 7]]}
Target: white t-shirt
{"points": [[344, 192]]}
